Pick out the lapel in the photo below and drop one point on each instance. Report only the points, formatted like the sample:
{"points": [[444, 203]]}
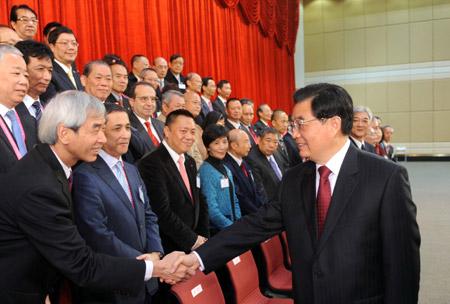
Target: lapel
{"points": [[5, 139], [265, 162], [29, 124], [239, 174], [141, 131], [343, 190], [159, 127], [62, 76], [105, 173]]}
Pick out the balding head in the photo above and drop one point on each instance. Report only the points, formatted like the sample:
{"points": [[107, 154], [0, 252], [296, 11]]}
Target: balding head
{"points": [[238, 143]]}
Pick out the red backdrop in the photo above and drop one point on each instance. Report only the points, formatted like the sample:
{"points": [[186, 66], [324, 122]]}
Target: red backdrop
{"points": [[249, 42]]}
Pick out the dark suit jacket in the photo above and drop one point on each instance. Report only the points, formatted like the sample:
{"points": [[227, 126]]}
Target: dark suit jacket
{"points": [[132, 80], [170, 78], [203, 112], [367, 147], [229, 126], [369, 249], [8, 157], [246, 130], [141, 143], [250, 194], [39, 241], [125, 101], [219, 107], [264, 173], [259, 126], [110, 223], [292, 150], [180, 219], [61, 82]]}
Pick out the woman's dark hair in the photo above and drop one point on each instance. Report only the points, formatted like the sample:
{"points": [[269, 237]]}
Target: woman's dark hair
{"points": [[213, 132]]}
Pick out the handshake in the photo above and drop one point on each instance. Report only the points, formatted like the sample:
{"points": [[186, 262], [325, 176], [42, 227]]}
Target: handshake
{"points": [[174, 267]]}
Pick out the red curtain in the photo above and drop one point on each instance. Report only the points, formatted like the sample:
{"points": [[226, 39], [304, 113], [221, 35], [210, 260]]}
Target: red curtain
{"points": [[249, 42]]}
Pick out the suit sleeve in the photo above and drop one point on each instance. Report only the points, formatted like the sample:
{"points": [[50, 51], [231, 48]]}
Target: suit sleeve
{"points": [[258, 179], [169, 223], [46, 219], [91, 218], [400, 241]]}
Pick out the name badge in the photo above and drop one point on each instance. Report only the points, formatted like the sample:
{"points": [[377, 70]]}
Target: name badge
{"points": [[182, 86], [224, 183], [198, 182]]}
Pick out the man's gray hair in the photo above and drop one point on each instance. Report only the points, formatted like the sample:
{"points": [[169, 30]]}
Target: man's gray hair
{"points": [[9, 49], [363, 109], [70, 108], [167, 96]]}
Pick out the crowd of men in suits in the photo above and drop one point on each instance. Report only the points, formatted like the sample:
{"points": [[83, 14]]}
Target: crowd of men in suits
{"points": [[102, 174]]}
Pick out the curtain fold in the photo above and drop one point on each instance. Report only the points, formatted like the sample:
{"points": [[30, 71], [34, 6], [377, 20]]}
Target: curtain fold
{"points": [[214, 36]]}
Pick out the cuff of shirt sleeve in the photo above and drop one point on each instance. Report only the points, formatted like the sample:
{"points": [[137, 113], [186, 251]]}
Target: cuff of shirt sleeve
{"points": [[202, 267], [148, 270]]}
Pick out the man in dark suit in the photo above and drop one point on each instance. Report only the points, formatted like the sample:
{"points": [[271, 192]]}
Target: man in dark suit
{"points": [[176, 64], [223, 93], [287, 148], [161, 68], [170, 177], [250, 194], [361, 124], [208, 90], [38, 239], [149, 75], [268, 166], [119, 81], [112, 211], [64, 46], [349, 217], [246, 120], [138, 63], [17, 132], [97, 79], [149, 131], [234, 114], [264, 113]]}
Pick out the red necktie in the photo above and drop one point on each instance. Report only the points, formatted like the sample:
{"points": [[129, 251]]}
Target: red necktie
{"points": [[150, 133], [244, 169], [323, 197], [253, 134]]}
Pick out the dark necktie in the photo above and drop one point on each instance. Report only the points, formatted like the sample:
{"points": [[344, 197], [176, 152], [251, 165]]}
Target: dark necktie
{"points": [[37, 107], [244, 169], [70, 181], [323, 197]]}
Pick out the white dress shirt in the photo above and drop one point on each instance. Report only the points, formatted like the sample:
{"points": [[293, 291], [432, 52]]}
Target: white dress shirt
{"points": [[29, 101], [3, 111], [143, 121]]}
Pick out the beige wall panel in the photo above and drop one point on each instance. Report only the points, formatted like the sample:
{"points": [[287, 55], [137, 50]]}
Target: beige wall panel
{"points": [[357, 92], [441, 91], [421, 126], [334, 50], [313, 18], [375, 12], [376, 97], [422, 95], [420, 10], [353, 14], [441, 126], [376, 46], [398, 44], [397, 11], [401, 123], [398, 94], [441, 9], [421, 37], [441, 41], [355, 51], [333, 16], [314, 53]]}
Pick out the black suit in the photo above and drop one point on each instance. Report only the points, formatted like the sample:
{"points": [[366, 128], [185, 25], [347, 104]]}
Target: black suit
{"points": [[61, 82], [259, 126], [263, 172], [365, 146], [218, 106], [248, 130], [125, 101], [141, 143], [170, 78], [369, 249], [8, 158], [250, 194], [180, 219], [38, 239], [292, 150], [200, 119]]}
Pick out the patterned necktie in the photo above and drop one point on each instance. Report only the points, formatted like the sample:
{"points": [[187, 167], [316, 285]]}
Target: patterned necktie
{"points": [[184, 175], [121, 177], [17, 132], [323, 197], [151, 135], [275, 167], [72, 79], [38, 110]]}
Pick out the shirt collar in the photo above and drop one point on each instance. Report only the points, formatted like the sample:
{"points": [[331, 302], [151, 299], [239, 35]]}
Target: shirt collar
{"points": [[335, 163], [234, 124], [116, 95], [142, 120], [358, 143], [239, 161], [28, 101], [222, 99], [175, 156], [4, 109], [67, 169], [110, 160], [64, 67], [205, 98]]}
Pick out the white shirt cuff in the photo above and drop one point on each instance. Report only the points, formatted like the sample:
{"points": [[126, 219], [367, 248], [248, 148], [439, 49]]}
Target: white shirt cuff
{"points": [[148, 270], [202, 267]]}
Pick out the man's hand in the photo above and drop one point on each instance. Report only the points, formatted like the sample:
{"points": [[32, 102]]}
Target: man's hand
{"points": [[188, 260], [162, 269], [200, 241], [153, 256]]}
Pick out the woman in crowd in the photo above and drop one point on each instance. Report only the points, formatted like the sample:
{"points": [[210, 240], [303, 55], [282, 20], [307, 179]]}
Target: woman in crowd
{"points": [[213, 118], [216, 180]]}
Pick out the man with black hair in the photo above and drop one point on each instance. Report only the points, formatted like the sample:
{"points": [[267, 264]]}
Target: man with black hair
{"points": [[176, 64], [24, 21], [208, 90], [97, 79], [264, 113], [119, 79], [64, 45], [223, 93], [48, 28]]}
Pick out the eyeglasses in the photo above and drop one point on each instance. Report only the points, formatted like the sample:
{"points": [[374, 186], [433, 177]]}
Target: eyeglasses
{"points": [[146, 98], [66, 43], [26, 20], [299, 124]]}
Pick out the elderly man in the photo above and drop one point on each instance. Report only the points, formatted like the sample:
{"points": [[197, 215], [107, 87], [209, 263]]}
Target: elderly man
{"points": [[38, 238], [161, 67], [264, 113], [362, 116], [138, 63], [193, 83], [151, 76], [172, 100], [246, 120], [234, 114], [287, 147], [97, 79], [176, 64], [198, 150], [8, 36], [24, 21]]}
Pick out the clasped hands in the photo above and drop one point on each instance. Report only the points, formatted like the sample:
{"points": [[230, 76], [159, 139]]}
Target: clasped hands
{"points": [[174, 267]]}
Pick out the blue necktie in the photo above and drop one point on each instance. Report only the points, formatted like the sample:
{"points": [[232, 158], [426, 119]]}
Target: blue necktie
{"points": [[17, 132], [120, 174], [275, 167], [37, 107]]}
